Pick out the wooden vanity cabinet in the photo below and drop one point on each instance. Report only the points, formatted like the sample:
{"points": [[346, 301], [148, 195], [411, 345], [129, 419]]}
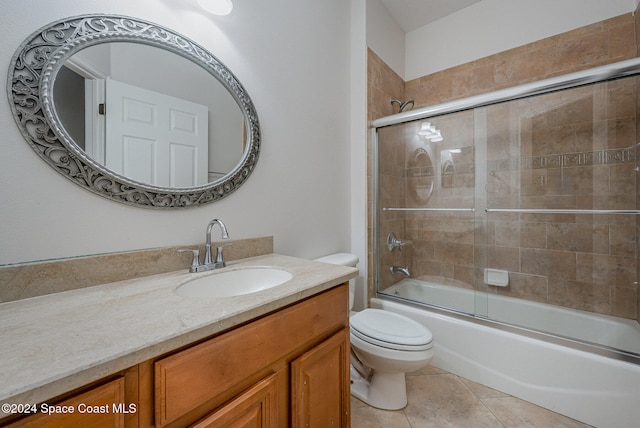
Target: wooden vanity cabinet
{"points": [[289, 368], [257, 407], [320, 384], [109, 403]]}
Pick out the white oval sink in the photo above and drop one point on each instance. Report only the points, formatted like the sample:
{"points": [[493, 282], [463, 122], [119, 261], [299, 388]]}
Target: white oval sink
{"points": [[234, 282]]}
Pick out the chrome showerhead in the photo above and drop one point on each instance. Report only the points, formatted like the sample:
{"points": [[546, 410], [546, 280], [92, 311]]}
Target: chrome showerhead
{"points": [[406, 105]]}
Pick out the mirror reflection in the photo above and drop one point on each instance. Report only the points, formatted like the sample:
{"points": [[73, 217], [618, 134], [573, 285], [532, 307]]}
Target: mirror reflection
{"points": [[149, 114], [457, 168], [421, 176], [133, 111]]}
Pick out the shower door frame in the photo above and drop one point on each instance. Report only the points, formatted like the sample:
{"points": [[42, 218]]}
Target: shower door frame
{"points": [[595, 75]]}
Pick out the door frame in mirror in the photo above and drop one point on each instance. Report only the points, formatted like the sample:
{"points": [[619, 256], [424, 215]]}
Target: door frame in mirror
{"points": [[32, 73]]}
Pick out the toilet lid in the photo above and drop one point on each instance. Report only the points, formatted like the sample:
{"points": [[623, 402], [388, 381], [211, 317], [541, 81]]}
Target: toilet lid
{"points": [[390, 330]]}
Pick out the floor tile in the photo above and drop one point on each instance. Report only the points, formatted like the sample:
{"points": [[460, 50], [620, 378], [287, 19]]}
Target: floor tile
{"points": [[442, 400], [363, 416], [514, 412], [438, 399]]}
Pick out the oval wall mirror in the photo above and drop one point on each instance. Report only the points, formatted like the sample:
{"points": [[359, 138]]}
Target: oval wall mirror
{"points": [[133, 111]]}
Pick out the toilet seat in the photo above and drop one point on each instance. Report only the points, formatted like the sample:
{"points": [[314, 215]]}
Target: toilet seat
{"points": [[390, 330]]}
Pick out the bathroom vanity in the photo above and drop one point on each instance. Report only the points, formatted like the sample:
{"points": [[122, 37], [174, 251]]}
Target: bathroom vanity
{"points": [[278, 357]]}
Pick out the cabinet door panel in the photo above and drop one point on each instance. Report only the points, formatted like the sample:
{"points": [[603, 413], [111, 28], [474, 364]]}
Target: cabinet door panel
{"points": [[198, 375], [320, 384], [93, 408], [255, 408]]}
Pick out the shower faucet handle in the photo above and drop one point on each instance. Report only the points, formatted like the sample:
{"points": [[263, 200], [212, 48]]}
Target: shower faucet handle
{"points": [[394, 242]]}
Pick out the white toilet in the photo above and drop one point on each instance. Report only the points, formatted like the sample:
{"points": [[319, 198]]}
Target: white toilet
{"points": [[384, 346]]}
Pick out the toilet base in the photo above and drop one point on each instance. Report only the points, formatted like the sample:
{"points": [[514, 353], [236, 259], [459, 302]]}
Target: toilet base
{"points": [[386, 391]]}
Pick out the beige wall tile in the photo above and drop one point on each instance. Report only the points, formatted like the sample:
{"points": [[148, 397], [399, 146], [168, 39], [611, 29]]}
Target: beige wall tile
{"points": [[582, 151], [39, 278]]}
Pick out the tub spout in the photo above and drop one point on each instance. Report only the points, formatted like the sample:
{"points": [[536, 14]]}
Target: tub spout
{"points": [[402, 269]]}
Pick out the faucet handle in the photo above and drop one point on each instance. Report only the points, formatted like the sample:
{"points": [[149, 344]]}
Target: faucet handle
{"points": [[196, 257], [394, 242], [220, 255]]}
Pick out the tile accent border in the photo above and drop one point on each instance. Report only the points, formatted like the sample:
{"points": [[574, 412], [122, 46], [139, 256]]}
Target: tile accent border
{"points": [[598, 157]]}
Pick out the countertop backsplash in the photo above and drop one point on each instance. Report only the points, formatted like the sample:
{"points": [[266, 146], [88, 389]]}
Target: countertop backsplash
{"points": [[22, 281]]}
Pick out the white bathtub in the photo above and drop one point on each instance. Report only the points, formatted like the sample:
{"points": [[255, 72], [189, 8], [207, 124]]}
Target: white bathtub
{"points": [[589, 327], [598, 390]]}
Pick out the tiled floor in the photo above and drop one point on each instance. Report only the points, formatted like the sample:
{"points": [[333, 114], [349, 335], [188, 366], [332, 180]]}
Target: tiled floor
{"points": [[439, 399]]}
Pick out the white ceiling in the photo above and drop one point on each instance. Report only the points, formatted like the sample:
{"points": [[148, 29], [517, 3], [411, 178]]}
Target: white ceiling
{"points": [[411, 14]]}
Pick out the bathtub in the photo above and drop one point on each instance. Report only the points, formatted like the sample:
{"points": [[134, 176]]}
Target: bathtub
{"points": [[613, 332], [596, 388]]}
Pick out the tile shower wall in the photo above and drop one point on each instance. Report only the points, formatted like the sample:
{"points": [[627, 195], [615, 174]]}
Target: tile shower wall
{"points": [[444, 246], [601, 43], [596, 257], [382, 85], [566, 150]]}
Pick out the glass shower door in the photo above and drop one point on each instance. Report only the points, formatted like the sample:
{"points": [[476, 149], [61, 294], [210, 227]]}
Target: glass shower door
{"points": [[561, 211], [522, 212], [427, 222]]}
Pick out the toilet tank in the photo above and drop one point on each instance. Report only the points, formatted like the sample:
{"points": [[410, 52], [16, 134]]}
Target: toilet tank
{"points": [[343, 259]]}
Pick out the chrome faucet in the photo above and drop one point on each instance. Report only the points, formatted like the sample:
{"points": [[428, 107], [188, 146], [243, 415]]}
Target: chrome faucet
{"points": [[402, 269], [207, 246], [209, 263]]}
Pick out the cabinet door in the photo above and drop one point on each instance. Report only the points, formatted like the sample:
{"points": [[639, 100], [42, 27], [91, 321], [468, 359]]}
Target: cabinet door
{"points": [[193, 382], [255, 408], [93, 408], [320, 385]]}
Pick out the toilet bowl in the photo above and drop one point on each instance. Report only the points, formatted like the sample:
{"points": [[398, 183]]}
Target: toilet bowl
{"points": [[384, 346]]}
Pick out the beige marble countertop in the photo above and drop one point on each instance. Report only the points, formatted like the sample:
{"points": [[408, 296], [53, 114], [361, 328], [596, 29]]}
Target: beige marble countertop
{"points": [[55, 343]]}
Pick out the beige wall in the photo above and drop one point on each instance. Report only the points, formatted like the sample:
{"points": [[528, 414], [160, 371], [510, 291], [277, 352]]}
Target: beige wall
{"points": [[593, 263]]}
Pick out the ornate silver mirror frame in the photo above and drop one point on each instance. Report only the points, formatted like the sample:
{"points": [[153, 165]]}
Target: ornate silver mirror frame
{"points": [[32, 72]]}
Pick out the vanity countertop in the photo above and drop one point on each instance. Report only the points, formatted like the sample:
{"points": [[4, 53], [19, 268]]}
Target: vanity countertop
{"points": [[55, 343]]}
